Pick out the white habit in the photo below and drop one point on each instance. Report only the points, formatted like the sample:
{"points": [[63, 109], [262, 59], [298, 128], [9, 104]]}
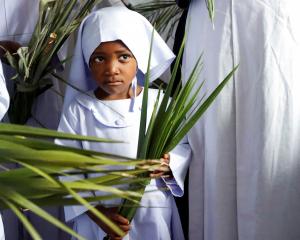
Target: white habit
{"points": [[117, 119], [245, 171], [158, 219]]}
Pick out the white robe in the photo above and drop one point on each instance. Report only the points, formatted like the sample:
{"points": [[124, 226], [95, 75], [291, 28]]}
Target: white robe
{"points": [[4, 103], [4, 97], [245, 171], [113, 120]]}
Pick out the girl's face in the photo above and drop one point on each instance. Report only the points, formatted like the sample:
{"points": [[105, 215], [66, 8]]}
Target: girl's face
{"points": [[113, 66]]}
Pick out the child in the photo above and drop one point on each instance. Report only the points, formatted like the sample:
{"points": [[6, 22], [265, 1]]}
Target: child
{"points": [[111, 55]]}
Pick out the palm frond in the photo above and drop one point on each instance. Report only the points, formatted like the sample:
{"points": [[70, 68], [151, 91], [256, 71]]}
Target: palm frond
{"points": [[165, 14], [41, 179], [210, 4], [57, 20], [172, 121]]}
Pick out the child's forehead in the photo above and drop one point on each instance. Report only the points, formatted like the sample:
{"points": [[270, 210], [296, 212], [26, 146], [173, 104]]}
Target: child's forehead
{"points": [[112, 47], [116, 44]]}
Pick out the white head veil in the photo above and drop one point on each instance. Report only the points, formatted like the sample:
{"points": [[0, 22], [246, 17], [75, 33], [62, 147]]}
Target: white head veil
{"points": [[110, 24]]}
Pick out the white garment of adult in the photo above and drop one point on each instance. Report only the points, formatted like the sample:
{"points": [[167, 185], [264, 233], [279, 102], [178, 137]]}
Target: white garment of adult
{"points": [[4, 103], [158, 219], [2, 234], [245, 171], [4, 97]]}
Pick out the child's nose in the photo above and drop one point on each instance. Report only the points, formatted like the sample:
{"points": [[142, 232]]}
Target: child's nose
{"points": [[112, 67]]}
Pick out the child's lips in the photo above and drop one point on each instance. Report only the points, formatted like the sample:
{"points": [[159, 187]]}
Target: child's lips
{"points": [[113, 82]]}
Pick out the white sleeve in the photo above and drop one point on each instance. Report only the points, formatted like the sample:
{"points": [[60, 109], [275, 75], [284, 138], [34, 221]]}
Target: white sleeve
{"points": [[4, 97], [69, 124], [180, 158]]}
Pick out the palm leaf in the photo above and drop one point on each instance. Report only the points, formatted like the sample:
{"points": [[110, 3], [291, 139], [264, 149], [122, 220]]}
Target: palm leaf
{"points": [[19, 200], [36, 183], [142, 149], [57, 20], [210, 4], [31, 230], [165, 14], [171, 122]]}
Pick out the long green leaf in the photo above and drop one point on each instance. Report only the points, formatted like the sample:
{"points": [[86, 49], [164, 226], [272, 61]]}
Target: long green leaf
{"points": [[143, 121], [195, 117], [39, 132], [210, 4], [25, 203], [98, 214], [31, 230]]}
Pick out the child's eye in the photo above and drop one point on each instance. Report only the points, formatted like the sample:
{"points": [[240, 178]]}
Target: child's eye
{"points": [[98, 59], [125, 57]]}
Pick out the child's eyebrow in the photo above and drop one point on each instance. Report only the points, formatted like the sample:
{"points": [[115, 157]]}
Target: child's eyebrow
{"points": [[117, 52], [123, 51]]}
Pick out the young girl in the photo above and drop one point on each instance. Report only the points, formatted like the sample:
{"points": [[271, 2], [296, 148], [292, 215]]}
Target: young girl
{"points": [[110, 58]]}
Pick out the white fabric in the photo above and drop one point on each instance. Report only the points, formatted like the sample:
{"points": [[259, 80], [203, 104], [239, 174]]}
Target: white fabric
{"points": [[110, 24], [88, 116], [245, 171], [4, 103], [14, 28], [4, 97], [2, 235]]}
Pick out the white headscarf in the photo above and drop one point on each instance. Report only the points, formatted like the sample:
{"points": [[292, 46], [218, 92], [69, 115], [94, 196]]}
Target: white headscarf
{"points": [[110, 24]]}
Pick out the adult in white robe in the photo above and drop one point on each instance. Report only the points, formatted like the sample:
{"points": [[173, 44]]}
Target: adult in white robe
{"points": [[119, 119], [245, 171]]}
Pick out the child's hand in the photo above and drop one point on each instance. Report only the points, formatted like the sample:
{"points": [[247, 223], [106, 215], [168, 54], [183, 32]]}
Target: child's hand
{"points": [[164, 170], [112, 214]]}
